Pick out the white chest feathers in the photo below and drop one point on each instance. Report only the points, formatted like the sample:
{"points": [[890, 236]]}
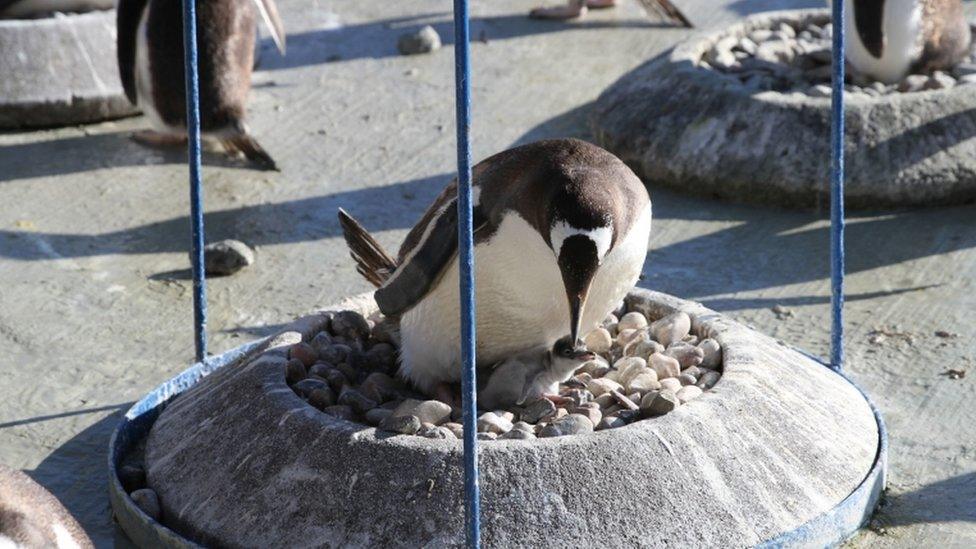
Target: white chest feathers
{"points": [[901, 29]]}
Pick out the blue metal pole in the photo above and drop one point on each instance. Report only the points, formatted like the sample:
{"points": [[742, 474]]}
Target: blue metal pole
{"points": [[462, 75], [837, 192], [196, 187]]}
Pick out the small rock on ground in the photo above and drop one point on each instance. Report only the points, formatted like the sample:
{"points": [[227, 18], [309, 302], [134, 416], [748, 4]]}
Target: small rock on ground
{"points": [[226, 257], [424, 40]]}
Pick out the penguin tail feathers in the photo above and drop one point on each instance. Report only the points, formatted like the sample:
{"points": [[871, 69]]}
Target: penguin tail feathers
{"points": [[252, 150], [668, 10], [372, 261]]}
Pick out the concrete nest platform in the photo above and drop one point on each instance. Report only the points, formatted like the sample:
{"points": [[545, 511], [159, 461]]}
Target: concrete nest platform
{"points": [[743, 113], [60, 70], [781, 450]]}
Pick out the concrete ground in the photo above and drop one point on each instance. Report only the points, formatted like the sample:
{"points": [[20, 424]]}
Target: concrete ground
{"points": [[95, 304]]}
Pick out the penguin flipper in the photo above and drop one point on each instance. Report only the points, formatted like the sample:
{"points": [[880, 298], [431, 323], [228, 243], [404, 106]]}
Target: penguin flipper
{"points": [[424, 262], [127, 18], [269, 14], [372, 261], [668, 10]]}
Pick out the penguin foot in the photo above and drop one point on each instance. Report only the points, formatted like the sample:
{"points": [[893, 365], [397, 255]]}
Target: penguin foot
{"points": [[572, 10], [252, 150], [159, 140], [600, 4]]}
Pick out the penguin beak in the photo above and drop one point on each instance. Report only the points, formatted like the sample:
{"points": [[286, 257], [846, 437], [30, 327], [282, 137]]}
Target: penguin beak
{"points": [[576, 302], [578, 263]]}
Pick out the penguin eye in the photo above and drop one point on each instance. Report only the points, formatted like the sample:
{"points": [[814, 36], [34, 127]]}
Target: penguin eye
{"points": [[567, 352]]}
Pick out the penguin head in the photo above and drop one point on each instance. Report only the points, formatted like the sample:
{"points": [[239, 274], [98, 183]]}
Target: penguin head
{"points": [[579, 249], [571, 353]]}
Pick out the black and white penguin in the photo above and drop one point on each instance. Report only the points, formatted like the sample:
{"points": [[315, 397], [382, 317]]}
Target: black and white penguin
{"points": [[578, 8], [561, 233], [150, 52], [889, 39], [30, 517]]}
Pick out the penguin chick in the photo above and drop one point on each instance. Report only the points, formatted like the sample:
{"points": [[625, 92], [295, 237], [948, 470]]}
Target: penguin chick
{"points": [[534, 374], [150, 55]]}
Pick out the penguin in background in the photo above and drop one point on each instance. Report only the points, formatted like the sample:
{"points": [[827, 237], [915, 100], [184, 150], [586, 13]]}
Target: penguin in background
{"points": [[890, 39], [150, 55], [561, 229]]}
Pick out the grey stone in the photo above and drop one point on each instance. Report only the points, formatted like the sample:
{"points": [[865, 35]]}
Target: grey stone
{"points": [[686, 354], [487, 436], [350, 325], [376, 416], [662, 403], [913, 83], [538, 410], [322, 398], [574, 424], [711, 353], [687, 379], [439, 432], [357, 401], [549, 431], [599, 340], [406, 425], [820, 90], [671, 328], [610, 422], [708, 380], [147, 500], [428, 411], [603, 385], [632, 321], [295, 371], [201, 439], [664, 366], [490, 422], [671, 384], [341, 411], [305, 387], [226, 257], [424, 40], [304, 353], [380, 387]]}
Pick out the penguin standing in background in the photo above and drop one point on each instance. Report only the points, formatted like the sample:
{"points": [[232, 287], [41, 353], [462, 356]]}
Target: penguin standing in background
{"points": [[561, 232], [890, 39], [150, 53], [578, 8]]}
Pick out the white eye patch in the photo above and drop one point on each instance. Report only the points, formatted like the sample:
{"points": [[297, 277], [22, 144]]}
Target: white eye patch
{"points": [[601, 237]]}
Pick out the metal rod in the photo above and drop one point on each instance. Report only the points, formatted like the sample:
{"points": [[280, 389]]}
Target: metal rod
{"points": [[196, 187], [462, 75], [837, 191]]}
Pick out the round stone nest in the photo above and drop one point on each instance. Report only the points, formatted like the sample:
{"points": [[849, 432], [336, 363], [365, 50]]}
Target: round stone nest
{"points": [[743, 114], [60, 70], [239, 459]]}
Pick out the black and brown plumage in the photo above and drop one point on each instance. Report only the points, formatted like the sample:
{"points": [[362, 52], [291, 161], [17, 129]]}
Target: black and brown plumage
{"points": [[150, 54]]}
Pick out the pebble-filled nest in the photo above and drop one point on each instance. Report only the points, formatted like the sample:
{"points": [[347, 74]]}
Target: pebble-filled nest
{"points": [[796, 57], [642, 370]]}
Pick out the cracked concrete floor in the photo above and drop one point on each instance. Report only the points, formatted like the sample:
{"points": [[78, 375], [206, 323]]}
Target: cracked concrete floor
{"points": [[95, 305]]}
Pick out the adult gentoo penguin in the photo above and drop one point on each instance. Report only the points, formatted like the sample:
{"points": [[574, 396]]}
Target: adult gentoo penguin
{"points": [[578, 8], [30, 517], [561, 232], [888, 39], [150, 53]]}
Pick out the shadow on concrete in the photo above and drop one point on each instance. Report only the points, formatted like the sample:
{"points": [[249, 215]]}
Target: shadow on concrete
{"points": [[377, 40], [948, 500], [93, 152], [76, 473], [380, 208], [749, 7], [61, 415]]}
